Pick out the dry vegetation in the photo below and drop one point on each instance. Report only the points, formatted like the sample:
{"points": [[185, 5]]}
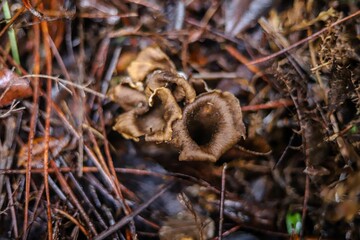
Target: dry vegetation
{"points": [[183, 119]]}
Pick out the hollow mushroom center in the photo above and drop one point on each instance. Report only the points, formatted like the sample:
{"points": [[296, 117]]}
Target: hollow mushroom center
{"points": [[202, 123]]}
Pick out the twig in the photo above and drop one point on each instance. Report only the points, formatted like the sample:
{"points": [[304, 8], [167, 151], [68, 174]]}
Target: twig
{"points": [[32, 127], [35, 12], [241, 58], [222, 199], [269, 105], [48, 59], [66, 188], [12, 20], [57, 79], [73, 220], [284, 152], [12, 209], [129, 217]]}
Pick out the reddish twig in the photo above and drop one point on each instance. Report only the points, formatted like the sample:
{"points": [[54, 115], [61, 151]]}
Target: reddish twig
{"points": [[48, 58], [269, 105], [32, 125], [73, 220], [12, 20], [241, 58], [35, 12]]}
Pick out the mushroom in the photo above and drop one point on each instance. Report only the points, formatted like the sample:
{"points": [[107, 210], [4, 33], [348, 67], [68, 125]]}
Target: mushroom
{"points": [[149, 60], [181, 89], [210, 126], [153, 120], [128, 98]]}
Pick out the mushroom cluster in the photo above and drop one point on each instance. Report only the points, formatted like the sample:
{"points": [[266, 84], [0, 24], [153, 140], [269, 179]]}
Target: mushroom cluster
{"points": [[162, 106]]}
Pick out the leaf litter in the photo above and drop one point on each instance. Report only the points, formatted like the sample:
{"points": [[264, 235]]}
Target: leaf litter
{"points": [[233, 116]]}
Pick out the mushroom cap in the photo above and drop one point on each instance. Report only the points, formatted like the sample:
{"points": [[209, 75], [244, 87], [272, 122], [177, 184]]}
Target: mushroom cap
{"points": [[179, 86], [153, 121], [210, 126], [128, 98], [148, 60]]}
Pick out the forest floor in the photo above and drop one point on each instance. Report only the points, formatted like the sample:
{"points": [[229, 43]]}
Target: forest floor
{"points": [[189, 119]]}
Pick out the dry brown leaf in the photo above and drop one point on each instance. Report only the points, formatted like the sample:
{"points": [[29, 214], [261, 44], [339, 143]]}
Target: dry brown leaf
{"points": [[12, 87], [56, 145]]}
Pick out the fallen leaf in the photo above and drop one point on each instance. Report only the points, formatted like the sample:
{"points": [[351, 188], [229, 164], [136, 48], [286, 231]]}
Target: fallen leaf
{"points": [[12, 87], [56, 145]]}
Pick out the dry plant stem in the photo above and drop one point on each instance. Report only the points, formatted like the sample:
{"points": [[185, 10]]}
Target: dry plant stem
{"points": [[112, 176], [196, 23], [32, 127], [127, 209], [281, 42], [12, 20], [12, 209], [78, 86], [29, 7], [89, 170], [205, 20], [73, 220], [87, 201], [80, 100], [130, 217], [305, 40], [269, 105], [228, 232], [307, 160], [48, 58], [36, 205], [98, 153], [61, 64], [241, 58], [222, 199], [72, 197]]}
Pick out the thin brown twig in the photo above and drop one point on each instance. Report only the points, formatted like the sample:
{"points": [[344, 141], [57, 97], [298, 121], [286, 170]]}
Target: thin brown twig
{"points": [[36, 205], [241, 58], [32, 127], [72, 196], [129, 217], [269, 105], [35, 12], [110, 161], [12, 209], [48, 58], [12, 20], [222, 200], [73, 220]]}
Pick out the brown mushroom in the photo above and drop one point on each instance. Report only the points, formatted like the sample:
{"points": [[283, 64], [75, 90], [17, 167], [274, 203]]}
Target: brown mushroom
{"points": [[149, 60], [210, 126], [153, 121], [128, 98], [181, 89]]}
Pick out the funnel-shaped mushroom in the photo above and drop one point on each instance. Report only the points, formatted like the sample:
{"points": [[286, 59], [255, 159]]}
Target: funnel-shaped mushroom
{"points": [[128, 98], [210, 126], [154, 121], [148, 60], [180, 88]]}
